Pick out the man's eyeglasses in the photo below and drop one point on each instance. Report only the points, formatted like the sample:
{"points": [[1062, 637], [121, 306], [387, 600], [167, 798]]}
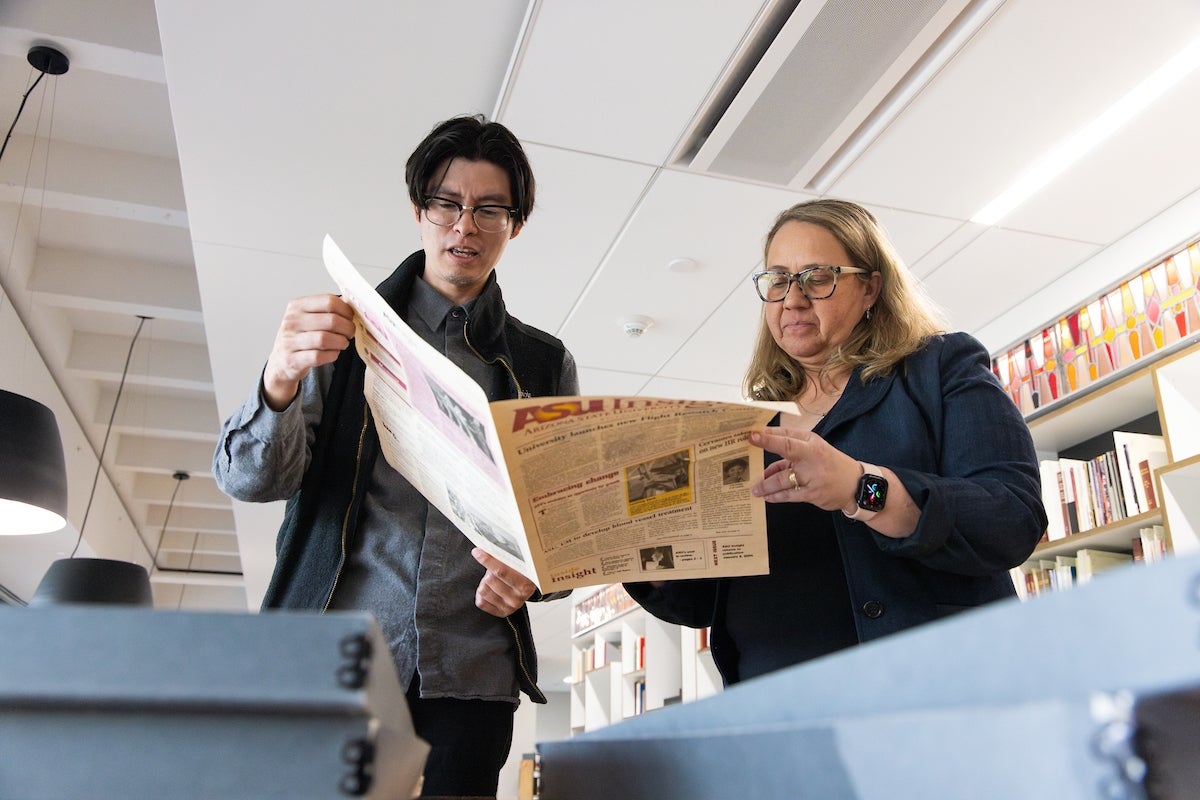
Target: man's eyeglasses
{"points": [[489, 219], [816, 283]]}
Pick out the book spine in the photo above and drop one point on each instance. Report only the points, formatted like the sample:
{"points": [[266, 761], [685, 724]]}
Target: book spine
{"points": [[1148, 484]]}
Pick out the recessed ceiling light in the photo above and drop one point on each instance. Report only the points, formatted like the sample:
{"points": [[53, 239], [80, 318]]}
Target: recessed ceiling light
{"points": [[682, 265]]}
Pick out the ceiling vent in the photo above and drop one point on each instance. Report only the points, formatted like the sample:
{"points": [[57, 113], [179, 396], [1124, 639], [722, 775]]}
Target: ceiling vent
{"points": [[814, 77]]}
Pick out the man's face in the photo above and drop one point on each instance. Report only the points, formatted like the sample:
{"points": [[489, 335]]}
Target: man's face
{"points": [[459, 257]]}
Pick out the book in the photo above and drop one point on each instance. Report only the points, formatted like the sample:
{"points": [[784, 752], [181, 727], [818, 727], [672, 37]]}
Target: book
{"points": [[1151, 540], [1090, 562], [1052, 499], [528, 774], [569, 491], [1065, 570], [1147, 472], [1132, 449], [1077, 490]]}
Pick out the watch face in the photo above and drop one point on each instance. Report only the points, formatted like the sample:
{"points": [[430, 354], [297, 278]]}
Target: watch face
{"points": [[872, 492]]}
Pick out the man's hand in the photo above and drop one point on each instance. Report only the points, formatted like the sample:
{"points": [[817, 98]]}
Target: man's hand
{"points": [[503, 590], [314, 331]]}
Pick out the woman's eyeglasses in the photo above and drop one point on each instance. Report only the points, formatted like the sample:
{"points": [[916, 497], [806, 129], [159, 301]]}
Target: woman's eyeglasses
{"points": [[816, 283]]}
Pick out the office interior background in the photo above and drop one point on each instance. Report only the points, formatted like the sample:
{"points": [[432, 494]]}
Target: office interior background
{"points": [[163, 199]]}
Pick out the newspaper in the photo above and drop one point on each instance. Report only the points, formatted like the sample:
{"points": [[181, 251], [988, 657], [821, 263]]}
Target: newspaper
{"points": [[570, 491]]}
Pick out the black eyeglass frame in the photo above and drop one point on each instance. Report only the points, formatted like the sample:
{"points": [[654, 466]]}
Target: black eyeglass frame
{"points": [[509, 211], [800, 278]]}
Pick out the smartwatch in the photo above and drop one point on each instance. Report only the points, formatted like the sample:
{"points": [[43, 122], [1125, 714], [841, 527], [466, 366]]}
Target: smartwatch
{"points": [[871, 494]]}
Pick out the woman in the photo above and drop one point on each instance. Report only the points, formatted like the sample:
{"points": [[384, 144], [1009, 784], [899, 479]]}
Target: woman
{"points": [[907, 489]]}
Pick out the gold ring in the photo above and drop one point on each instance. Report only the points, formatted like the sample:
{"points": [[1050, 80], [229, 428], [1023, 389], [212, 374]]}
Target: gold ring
{"points": [[792, 478]]}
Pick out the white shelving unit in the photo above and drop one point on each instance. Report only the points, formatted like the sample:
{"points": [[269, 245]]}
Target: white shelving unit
{"points": [[1169, 386], [633, 663], [700, 676], [1177, 384]]}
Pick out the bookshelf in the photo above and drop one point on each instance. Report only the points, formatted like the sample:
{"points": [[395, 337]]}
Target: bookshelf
{"points": [[626, 662], [1165, 389], [700, 676]]}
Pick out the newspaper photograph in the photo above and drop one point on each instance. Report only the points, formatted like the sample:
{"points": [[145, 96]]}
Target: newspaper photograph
{"points": [[570, 491]]}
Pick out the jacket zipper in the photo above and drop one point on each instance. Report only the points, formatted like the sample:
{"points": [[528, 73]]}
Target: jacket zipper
{"points": [[362, 435], [508, 368], [533, 687]]}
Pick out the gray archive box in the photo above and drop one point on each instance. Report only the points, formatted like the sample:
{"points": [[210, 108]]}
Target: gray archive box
{"points": [[1085, 694], [111, 702]]}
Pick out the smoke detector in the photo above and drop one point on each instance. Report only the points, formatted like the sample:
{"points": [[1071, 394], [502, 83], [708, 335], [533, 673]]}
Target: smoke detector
{"points": [[634, 326]]}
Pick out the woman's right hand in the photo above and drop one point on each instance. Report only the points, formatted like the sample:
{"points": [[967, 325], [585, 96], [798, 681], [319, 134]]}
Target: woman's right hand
{"points": [[314, 331]]}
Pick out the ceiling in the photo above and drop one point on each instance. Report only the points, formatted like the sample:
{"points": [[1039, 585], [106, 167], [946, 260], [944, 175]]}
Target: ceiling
{"points": [[188, 165]]}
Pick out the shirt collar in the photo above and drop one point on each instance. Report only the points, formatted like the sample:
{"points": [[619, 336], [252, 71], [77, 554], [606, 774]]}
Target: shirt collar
{"points": [[431, 306]]}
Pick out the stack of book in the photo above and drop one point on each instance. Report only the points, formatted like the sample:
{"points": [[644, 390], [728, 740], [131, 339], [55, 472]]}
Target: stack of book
{"points": [[1080, 495], [1061, 572]]}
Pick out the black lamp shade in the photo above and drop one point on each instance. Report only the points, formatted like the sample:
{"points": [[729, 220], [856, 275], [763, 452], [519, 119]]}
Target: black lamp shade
{"points": [[33, 472], [94, 580]]}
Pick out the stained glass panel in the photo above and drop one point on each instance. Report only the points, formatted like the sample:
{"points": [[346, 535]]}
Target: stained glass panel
{"points": [[1152, 310]]}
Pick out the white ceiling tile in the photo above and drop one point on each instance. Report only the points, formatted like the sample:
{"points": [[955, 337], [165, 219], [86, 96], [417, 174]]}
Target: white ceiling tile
{"points": [[998, 271], [718, 223], [672, 388], [718, 353], [611, 382], [622, 78], [1126, 180], [582, 203], [1036, 73], [913, 235], [948, 248]]}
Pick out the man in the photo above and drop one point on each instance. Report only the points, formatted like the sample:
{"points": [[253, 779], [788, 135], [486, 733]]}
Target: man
{"points": [[356, 534]]}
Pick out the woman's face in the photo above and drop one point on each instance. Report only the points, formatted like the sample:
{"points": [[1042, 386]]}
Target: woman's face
{"points": [[808, 330]]}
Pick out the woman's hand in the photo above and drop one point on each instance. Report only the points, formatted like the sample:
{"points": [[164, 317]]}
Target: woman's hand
{"points": [[503, 590], [810, 470], [314, 331]]}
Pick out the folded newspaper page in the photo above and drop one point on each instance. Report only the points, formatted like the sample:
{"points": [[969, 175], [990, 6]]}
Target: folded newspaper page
{"points": [[570, 491]]}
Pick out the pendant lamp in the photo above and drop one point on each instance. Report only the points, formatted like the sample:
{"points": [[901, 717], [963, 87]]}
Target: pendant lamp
{"points": [[33, 471], [101, 581]]}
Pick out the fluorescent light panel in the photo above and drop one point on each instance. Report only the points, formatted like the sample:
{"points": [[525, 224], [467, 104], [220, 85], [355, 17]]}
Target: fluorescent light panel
{"points": [[1074, 147]]}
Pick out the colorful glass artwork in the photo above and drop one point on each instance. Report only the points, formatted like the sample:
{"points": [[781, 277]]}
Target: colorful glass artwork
{"points": [[1152, 310]]}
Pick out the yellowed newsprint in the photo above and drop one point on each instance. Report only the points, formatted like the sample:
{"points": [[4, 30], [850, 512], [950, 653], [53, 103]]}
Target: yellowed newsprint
{"points": [[571, 491]]}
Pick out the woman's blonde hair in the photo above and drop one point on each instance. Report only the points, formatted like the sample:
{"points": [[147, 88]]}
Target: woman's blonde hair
{"points": [[898, 324]]}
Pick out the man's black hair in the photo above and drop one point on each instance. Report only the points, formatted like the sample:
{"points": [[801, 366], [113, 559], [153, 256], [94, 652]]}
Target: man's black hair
{"points": [[474, 138]]}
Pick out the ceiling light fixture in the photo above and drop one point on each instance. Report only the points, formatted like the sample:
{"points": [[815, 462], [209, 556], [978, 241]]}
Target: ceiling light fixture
{"points": [[1074, 147], [93, 581], [33, 470], [47, 61]]}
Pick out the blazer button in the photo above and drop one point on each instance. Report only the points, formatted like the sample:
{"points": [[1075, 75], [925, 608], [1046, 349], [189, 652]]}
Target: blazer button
{"points": [[873, 609]]}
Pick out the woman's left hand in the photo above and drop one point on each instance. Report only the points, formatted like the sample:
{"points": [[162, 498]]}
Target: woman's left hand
{"points": [[810, 470]]}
